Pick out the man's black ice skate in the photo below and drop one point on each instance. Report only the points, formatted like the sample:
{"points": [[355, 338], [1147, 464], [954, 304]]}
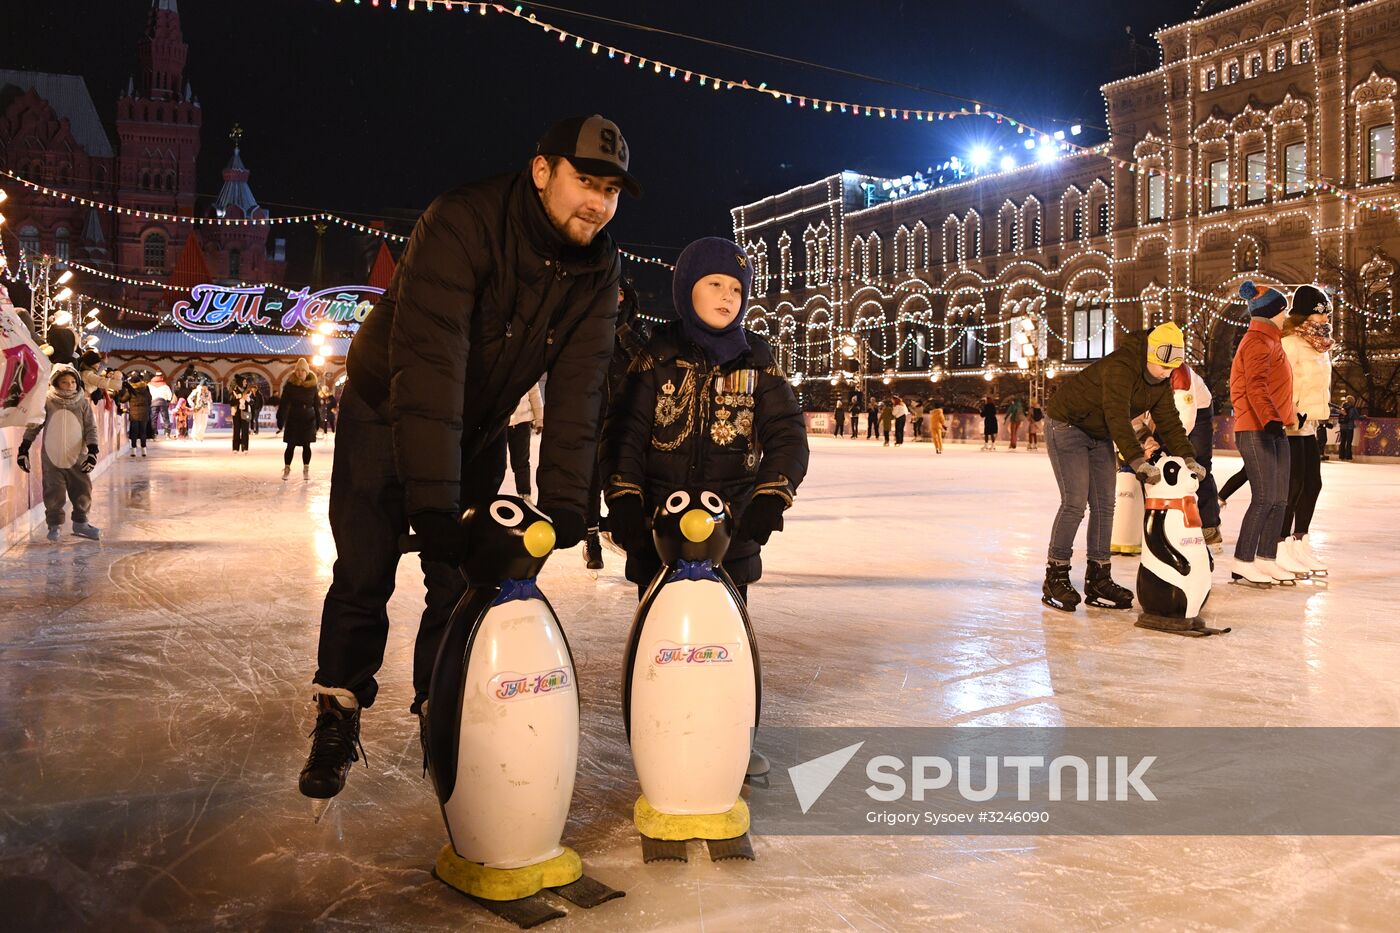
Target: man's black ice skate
{"points": [[593, 550], [1058, 592], [1101, 592], [335, 746]]}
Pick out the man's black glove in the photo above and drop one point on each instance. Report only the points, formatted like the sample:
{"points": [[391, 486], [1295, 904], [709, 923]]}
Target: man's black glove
{"points": [[90, 461], [763, 516], [627, 522], [1149, 473], [1274, 428], [22, 458], [568, 527], [440, 536]]}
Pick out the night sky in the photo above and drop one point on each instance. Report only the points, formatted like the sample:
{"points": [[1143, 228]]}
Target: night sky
{"points": [[371, 113]]}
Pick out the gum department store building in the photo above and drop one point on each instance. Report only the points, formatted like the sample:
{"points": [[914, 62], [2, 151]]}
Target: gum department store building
{"points": [[1211, 175]]}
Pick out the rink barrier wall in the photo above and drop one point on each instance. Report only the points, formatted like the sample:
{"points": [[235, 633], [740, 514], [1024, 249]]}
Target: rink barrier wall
{"points": [[22, 494], [1374, 438]]}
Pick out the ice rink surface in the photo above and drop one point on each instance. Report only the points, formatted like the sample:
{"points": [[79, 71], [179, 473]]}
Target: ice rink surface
{"points": [[154, 711]]}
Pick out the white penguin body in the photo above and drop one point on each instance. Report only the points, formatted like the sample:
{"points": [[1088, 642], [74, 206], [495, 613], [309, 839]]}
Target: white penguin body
{"points": [[1174, 576], [693, 698], [502, 718], [517, 750]]}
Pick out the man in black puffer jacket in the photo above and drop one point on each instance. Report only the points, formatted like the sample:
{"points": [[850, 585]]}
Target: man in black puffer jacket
{"points": [[502, 281]]}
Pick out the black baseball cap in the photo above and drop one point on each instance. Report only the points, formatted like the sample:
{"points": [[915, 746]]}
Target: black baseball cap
{"points": [[594, 145]]}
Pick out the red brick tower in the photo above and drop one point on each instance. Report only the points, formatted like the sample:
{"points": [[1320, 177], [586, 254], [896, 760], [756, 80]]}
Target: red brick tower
{"points": [[158, 122]]}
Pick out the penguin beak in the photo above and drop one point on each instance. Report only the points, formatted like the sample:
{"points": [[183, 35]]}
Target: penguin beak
{"points": [[539, 539], [697, 525]]}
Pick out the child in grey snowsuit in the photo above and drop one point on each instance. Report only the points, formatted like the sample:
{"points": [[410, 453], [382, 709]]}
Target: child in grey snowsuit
{"points": [[70, 452]]}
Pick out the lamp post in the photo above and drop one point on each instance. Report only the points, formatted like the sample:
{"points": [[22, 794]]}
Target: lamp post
{"points": [[49, 291]]}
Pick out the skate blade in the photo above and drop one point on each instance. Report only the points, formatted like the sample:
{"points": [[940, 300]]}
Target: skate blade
{"points": [[1099, 605], [319, 808], [587, 892], [663, 850], [1056, 606], [738, 847], [1241, 581]]}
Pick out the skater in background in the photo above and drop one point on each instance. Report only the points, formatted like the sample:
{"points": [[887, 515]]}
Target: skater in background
{"points": [[706, 392], [299, 416], [886, 420], [241, 414], [1261, 390], [527, 419], [935, 427], [857, 406], [328, 404], [161, 397], [201, 400], [901, 416], [1090, 415], [840, 416], [1015, 414], [1351, 414], [255, 406], [916, 418], [99, 382], [989, 424], [69, 452], [872, 419], [1307, 342], [135, 396], [1203, 442], [1033, 425]]}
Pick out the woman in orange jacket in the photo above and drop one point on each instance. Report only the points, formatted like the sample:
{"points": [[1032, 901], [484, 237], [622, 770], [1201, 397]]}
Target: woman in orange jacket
{"points": [[1261, 389]]}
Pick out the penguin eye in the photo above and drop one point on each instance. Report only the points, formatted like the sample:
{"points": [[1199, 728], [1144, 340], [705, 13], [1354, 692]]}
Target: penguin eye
{"points": [[1171, 471], [711, 501], [678, 501], [506, 513]]}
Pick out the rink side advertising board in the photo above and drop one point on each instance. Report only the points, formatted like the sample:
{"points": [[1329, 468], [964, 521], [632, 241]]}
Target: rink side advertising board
{"points": [[215, 307], [1079, 781]]}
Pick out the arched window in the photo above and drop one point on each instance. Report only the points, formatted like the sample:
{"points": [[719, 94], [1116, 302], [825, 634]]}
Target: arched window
{"points": [[60, 243], [784, 262], [235, 263], [145, 182], [1077, 224], [153, 253], [29, 239], [1103, 219], [915, 348]]}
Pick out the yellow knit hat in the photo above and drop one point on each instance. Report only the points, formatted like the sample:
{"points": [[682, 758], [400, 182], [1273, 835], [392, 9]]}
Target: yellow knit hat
{"points": [[1166, 346]]}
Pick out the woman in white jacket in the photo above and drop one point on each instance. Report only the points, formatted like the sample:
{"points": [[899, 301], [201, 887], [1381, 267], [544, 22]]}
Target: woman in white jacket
{"points": [[1307, 340], [528, 419]]}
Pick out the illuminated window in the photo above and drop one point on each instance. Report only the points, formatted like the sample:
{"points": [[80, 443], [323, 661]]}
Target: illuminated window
{"points": [[1295, 167], [1103, 219], [1219, 183], [1380, 154], [1091, 331], [1077, 226], [1256, 65], [1209, 79], [1156, 196], [1304, 50], [1232, 73], [1280, 57], [153, 253], [1256, 189]]}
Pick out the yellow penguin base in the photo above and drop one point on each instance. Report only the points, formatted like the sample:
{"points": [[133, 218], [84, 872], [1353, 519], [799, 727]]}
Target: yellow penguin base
{"points": [[507, 884], [677, 827]]}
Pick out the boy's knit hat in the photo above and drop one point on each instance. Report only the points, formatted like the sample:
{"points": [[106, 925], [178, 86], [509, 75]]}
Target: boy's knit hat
{"points": [[712, 255], [1265, 302]]}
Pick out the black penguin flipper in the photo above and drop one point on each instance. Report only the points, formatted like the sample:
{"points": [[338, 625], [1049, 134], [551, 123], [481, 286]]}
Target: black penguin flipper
{"points": [[1156, 595], [753, 642], [447, 685], [634, 640]]}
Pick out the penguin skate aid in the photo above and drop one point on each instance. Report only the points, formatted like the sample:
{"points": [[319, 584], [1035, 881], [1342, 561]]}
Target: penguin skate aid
{"points": [[501, 725], [1089, 425], [1173, 580], [691, 686]]}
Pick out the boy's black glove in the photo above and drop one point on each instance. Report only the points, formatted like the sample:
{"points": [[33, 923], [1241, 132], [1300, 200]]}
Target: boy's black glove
{"points": [[1274, 429], [90, 461], [568, 527], [22, 457], [763, 517], [627, 522], [440, 537]]}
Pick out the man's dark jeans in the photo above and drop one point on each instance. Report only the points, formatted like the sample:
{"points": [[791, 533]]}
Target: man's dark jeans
{"points": [[1086, 470], [1203, 442], [368, 515]]}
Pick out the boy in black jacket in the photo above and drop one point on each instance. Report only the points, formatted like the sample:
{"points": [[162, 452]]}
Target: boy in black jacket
{"points": [[706, 405]]}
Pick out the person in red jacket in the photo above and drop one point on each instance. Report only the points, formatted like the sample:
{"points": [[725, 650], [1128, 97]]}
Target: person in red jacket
{"points": [[1261, 389]]}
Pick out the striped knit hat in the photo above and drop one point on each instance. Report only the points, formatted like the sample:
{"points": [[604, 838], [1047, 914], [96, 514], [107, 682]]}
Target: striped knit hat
{"points": [[1263, 302]]}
